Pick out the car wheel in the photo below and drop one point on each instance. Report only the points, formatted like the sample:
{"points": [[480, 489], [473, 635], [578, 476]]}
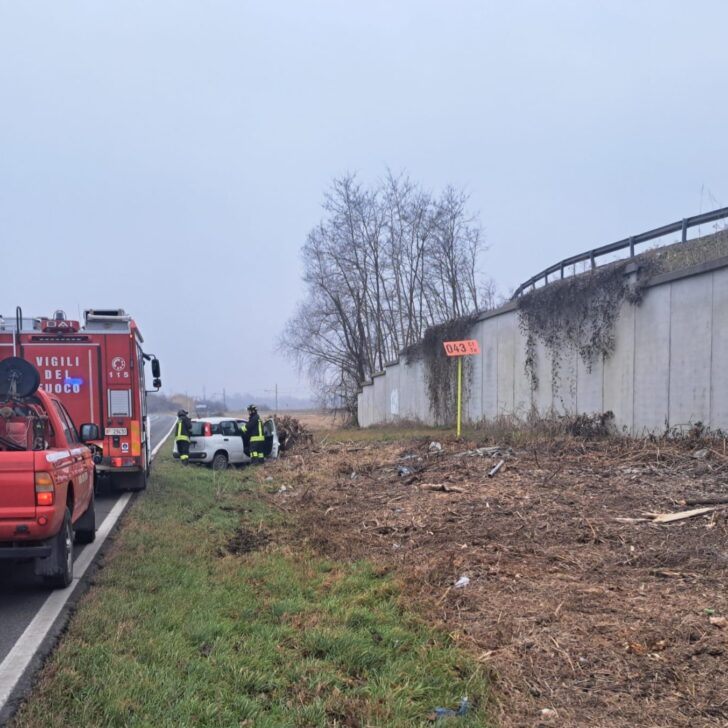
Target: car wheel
{"points": [[62, 555], [85, 529], [220, 461]]}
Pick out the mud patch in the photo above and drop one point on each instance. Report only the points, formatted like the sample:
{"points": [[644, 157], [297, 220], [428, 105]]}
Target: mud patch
{"points": [[245, 541]]}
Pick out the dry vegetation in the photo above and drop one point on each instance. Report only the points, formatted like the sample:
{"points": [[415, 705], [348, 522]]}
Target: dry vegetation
{"points": [[585, 619]]}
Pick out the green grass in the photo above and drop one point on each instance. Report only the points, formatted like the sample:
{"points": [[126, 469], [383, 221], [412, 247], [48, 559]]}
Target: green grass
{"points": [[177, 631]]}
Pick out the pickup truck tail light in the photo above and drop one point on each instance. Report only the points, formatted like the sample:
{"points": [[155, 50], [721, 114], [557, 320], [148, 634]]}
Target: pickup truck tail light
{"points": [[45, 491]]}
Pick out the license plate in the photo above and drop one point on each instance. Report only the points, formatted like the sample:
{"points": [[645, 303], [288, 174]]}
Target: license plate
{"points": [[110, 431]]}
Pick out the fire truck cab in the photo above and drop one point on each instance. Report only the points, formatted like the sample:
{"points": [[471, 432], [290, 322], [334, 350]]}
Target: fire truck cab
{"points": [[97, 370]]}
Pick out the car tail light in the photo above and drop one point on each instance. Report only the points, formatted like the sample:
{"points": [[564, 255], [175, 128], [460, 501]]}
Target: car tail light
{"points": [[45, 491]]}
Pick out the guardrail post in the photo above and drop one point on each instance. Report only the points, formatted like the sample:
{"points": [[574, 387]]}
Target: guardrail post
{"points": [[684, 230], [631, 247], [593, 260], [562, 271]]}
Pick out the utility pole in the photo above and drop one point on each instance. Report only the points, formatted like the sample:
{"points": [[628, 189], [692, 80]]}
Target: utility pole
{"points": [[224, 399], [276, 396]]}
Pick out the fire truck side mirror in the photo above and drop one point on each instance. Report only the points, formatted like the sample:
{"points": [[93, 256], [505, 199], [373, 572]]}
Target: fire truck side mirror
{"points": [[90, 431], [156, 371]]}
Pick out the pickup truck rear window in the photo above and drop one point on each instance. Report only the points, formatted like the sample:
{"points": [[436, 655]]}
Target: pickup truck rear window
{"points": [[23, 425]]}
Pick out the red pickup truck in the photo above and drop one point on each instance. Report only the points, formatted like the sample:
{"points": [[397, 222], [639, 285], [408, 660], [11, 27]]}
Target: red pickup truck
{"points": [[46, 476]]}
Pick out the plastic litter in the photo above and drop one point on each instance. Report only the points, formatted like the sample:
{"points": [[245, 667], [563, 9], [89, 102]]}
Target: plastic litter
{"points": [[440, 713], [462, 582], [435, 446], [485, 452], [495, 469], [402, 470]]}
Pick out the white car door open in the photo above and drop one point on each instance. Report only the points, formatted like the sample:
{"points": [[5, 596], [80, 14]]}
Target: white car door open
{"points": [[232, 441]]}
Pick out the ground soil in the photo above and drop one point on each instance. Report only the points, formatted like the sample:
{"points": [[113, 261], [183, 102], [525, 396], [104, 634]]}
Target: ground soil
{"points": [[584, 619]]}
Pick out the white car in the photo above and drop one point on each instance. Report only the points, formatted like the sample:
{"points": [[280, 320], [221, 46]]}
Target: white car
{"points": [[218, 442]]}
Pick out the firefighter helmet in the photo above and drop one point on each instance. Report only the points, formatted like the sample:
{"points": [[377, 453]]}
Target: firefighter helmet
{"points": [[182, 413], [252, 408]]}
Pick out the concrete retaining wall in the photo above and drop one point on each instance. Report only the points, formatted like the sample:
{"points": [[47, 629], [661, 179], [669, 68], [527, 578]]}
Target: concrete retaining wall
{"points": [[668, 369]]}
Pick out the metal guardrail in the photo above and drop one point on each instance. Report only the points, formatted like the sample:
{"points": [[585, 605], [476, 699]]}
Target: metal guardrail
{"points": [[684, 225]]}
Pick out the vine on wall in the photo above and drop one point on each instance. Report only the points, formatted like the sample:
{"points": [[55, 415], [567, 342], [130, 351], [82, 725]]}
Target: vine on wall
{"points": [[440, 369], [579, 314]]}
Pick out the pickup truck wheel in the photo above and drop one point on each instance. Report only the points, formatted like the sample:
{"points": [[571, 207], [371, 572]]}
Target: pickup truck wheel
{"points": [[220, 461], [62, 555], [85, 528]]}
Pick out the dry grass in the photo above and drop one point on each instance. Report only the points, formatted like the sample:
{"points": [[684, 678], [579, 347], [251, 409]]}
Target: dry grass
{"points": [[605, 622]]}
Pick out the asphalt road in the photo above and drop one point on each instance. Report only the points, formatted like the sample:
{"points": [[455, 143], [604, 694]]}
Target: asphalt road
{"points": [[21, 594]]}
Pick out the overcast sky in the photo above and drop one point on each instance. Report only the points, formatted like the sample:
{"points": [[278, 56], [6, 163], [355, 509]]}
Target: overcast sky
{"points": [[170, 156]]}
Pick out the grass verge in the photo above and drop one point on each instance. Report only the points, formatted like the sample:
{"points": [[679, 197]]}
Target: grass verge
{"points": [[200, 619]]}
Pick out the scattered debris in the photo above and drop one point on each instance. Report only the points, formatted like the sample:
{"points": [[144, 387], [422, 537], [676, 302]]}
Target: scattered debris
{"points": [[282, 489], [568, 605], [440, 713], [707, 500], [435, 446], [292, 432], [701, 454], [483, 452], [496, 468], [444, 487], [402, 470], [679, 516], [600, 424], [462, 582], [548, 713], [269, 478], [718, 621]]}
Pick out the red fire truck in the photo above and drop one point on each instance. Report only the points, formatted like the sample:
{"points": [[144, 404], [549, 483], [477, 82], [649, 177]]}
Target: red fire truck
{"points": [[97, 371]]}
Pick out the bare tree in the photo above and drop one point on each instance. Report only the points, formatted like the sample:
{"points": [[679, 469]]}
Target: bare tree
{"points": [[382, 266]]}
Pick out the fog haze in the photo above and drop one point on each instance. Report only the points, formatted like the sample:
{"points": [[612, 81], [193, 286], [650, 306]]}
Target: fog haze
{"points": [[169, 158]]}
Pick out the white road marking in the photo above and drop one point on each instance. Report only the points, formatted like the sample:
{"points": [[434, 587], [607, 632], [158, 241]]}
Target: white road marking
{"points": [[162, 441], [18, 659], [20, 656]]}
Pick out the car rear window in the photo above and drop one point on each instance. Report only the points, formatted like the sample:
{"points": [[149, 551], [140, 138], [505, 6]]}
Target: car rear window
{"points": [[198, 428]]}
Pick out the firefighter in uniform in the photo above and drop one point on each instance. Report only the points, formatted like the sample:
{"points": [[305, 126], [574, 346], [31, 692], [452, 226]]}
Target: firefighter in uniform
{"points": [[253, 431], [182, 436]]}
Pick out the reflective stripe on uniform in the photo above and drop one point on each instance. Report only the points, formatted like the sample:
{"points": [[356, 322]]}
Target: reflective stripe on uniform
{"points": [[179, 435]]}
